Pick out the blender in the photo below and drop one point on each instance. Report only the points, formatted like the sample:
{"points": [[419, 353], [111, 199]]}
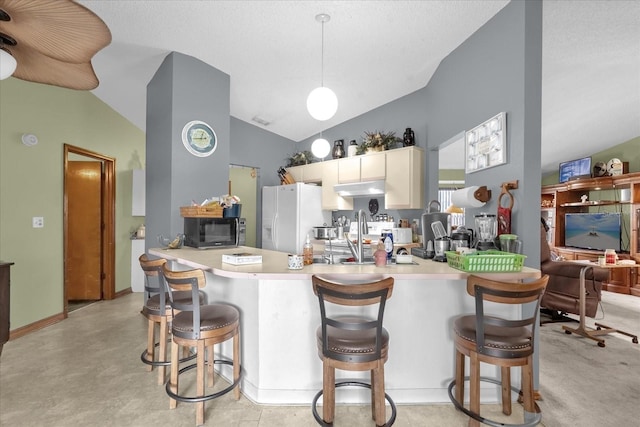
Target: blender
{"points": [[486, 231]]}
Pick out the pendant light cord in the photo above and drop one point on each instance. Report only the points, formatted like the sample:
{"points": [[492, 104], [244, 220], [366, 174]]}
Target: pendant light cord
{"points": [[322, 58]]}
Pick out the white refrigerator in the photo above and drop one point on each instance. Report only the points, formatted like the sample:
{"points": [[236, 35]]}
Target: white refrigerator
{"points": [[289, 213]]}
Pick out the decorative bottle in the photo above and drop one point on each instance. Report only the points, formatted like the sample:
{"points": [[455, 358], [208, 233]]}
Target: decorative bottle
{"points": [[307, 252], [353, 148], [409, 138], [338, 149], [380, 255]]}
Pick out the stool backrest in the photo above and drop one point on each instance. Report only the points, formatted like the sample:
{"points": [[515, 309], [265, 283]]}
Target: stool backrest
{"points": [[153, 279], [505, 293], [360, 294], [186, 280]]}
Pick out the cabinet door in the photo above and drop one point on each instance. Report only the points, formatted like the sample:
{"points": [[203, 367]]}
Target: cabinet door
{"points": [[349, 170], [405, 178], [313, 172], [297, 172], [330, 199], [373, 166]]}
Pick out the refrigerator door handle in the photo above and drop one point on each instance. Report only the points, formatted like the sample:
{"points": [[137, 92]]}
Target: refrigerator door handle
{"points": [[274, 231]]}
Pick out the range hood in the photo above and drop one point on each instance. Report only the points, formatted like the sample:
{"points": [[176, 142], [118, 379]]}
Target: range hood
{"points": [[360, 189]]}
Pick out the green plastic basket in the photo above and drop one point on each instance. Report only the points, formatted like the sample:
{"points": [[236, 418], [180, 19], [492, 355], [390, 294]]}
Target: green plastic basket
{"points": [[486, 261]]}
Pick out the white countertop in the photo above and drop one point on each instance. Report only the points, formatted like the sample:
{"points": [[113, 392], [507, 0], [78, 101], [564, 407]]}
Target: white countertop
{"points": [[274, 266]]}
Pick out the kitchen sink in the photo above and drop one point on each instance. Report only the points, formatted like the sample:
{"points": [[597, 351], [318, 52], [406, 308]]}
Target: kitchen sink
{"points": [[345, 260], [366, 261]]}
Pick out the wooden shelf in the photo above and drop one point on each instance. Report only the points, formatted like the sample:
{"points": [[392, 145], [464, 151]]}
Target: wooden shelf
{"points": [[595, 203], [566, 198]]}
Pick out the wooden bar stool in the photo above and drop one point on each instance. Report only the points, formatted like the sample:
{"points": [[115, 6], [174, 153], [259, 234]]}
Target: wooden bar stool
{"points": [[157, 310], [497, 341], [352, 342], [200, 326]]}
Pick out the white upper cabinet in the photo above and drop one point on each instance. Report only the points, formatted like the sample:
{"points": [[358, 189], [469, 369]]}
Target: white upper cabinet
{"points": [[404, 183], [402, 169]]}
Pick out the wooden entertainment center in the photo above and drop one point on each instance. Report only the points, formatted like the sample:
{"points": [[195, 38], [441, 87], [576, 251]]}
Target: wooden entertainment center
{"points": [[604, 194]]}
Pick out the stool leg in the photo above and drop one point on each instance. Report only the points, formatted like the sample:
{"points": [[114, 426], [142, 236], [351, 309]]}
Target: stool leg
{"points": [[210, 360], [173, 385], [474, 388], [380, 416], [506, 389], [373, 394], [162, 351], [460, 377], [236, 363], [151, 343], [527, 386], [328, 392], [200, 382]]}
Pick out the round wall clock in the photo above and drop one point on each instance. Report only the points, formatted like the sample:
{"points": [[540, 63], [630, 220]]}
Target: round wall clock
{"points": [[199, 139]]}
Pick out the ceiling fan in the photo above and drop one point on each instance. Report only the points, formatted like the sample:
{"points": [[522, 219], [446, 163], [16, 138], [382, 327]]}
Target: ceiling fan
{"points": [[50, 42]]}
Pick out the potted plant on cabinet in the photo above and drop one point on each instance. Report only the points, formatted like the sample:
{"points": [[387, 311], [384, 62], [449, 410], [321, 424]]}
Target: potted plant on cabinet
{"points": [[300, 158], [378, 141]]}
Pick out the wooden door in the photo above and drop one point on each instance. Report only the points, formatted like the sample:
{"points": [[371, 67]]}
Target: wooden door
{"points": [[83, 265]]}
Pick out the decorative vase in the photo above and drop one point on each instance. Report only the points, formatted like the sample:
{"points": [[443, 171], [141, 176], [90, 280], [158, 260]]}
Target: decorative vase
{"points": [[338, 149], [409, 138], [353, 148]]}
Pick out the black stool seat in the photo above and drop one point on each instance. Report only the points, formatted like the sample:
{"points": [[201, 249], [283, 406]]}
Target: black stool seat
{"points": [[353, 342], [212, 317], [496, 337]]}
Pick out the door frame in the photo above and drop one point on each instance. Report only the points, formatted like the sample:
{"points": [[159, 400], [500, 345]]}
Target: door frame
{"points": [[107, 250]]}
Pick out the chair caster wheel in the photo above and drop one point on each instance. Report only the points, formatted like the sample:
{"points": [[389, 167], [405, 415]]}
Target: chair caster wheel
{"points": [[634, 340], [567, 332], [598, 328], [600, 344]]}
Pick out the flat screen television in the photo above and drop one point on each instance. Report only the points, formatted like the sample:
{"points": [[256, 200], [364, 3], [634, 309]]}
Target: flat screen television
{"points": [[575, 169], [598, 231]]}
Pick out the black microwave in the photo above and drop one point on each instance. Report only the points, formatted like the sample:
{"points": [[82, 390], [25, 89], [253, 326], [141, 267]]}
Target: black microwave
{"points": [[204, 233]]}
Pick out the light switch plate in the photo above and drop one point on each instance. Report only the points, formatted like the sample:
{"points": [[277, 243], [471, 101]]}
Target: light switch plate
{"points": [[38, 221]]}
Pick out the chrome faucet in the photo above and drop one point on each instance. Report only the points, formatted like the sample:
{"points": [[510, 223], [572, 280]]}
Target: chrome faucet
{"points": [[363, 228]]}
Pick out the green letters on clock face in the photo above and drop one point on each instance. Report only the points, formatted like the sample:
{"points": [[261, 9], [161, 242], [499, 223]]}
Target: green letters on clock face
{"points": [[199, 139]]}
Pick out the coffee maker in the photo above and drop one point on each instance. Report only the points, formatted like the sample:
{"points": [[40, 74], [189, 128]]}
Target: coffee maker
{"points": [[486, 231]]}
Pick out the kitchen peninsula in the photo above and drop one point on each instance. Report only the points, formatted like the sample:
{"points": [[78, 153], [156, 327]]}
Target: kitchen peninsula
{"points": [[279, 316]]}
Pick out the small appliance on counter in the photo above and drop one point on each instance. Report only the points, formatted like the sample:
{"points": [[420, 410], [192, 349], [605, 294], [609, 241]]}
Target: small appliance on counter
{"points": [[461, 238], [441, 242], [486, 231], [432, 215], [208, 232]]}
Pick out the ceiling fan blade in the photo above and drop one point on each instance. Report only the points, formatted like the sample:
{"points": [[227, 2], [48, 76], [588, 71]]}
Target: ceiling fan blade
{"points": [[61, 29], [36, 67]]}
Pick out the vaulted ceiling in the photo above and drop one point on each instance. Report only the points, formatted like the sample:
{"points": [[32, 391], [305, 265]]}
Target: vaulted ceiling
{"points": [[375, 52]]}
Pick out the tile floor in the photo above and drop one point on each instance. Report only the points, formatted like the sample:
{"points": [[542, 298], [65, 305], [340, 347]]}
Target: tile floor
{"points": [[86, 371]]}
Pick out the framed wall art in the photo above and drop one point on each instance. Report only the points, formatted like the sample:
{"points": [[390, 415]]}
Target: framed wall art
{"points": [[486, 144]]}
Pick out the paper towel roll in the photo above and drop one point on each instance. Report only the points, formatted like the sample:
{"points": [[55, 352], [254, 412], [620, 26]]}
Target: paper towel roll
{"points": [[464, 198]]}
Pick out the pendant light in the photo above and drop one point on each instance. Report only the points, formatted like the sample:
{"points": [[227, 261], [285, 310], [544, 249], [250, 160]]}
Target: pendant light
{"points": [[322, 102], [320, 147]]}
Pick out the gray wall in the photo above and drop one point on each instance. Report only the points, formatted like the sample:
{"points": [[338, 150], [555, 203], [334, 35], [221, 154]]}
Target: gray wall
{"points": [[183, 89], [497, 69]]}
